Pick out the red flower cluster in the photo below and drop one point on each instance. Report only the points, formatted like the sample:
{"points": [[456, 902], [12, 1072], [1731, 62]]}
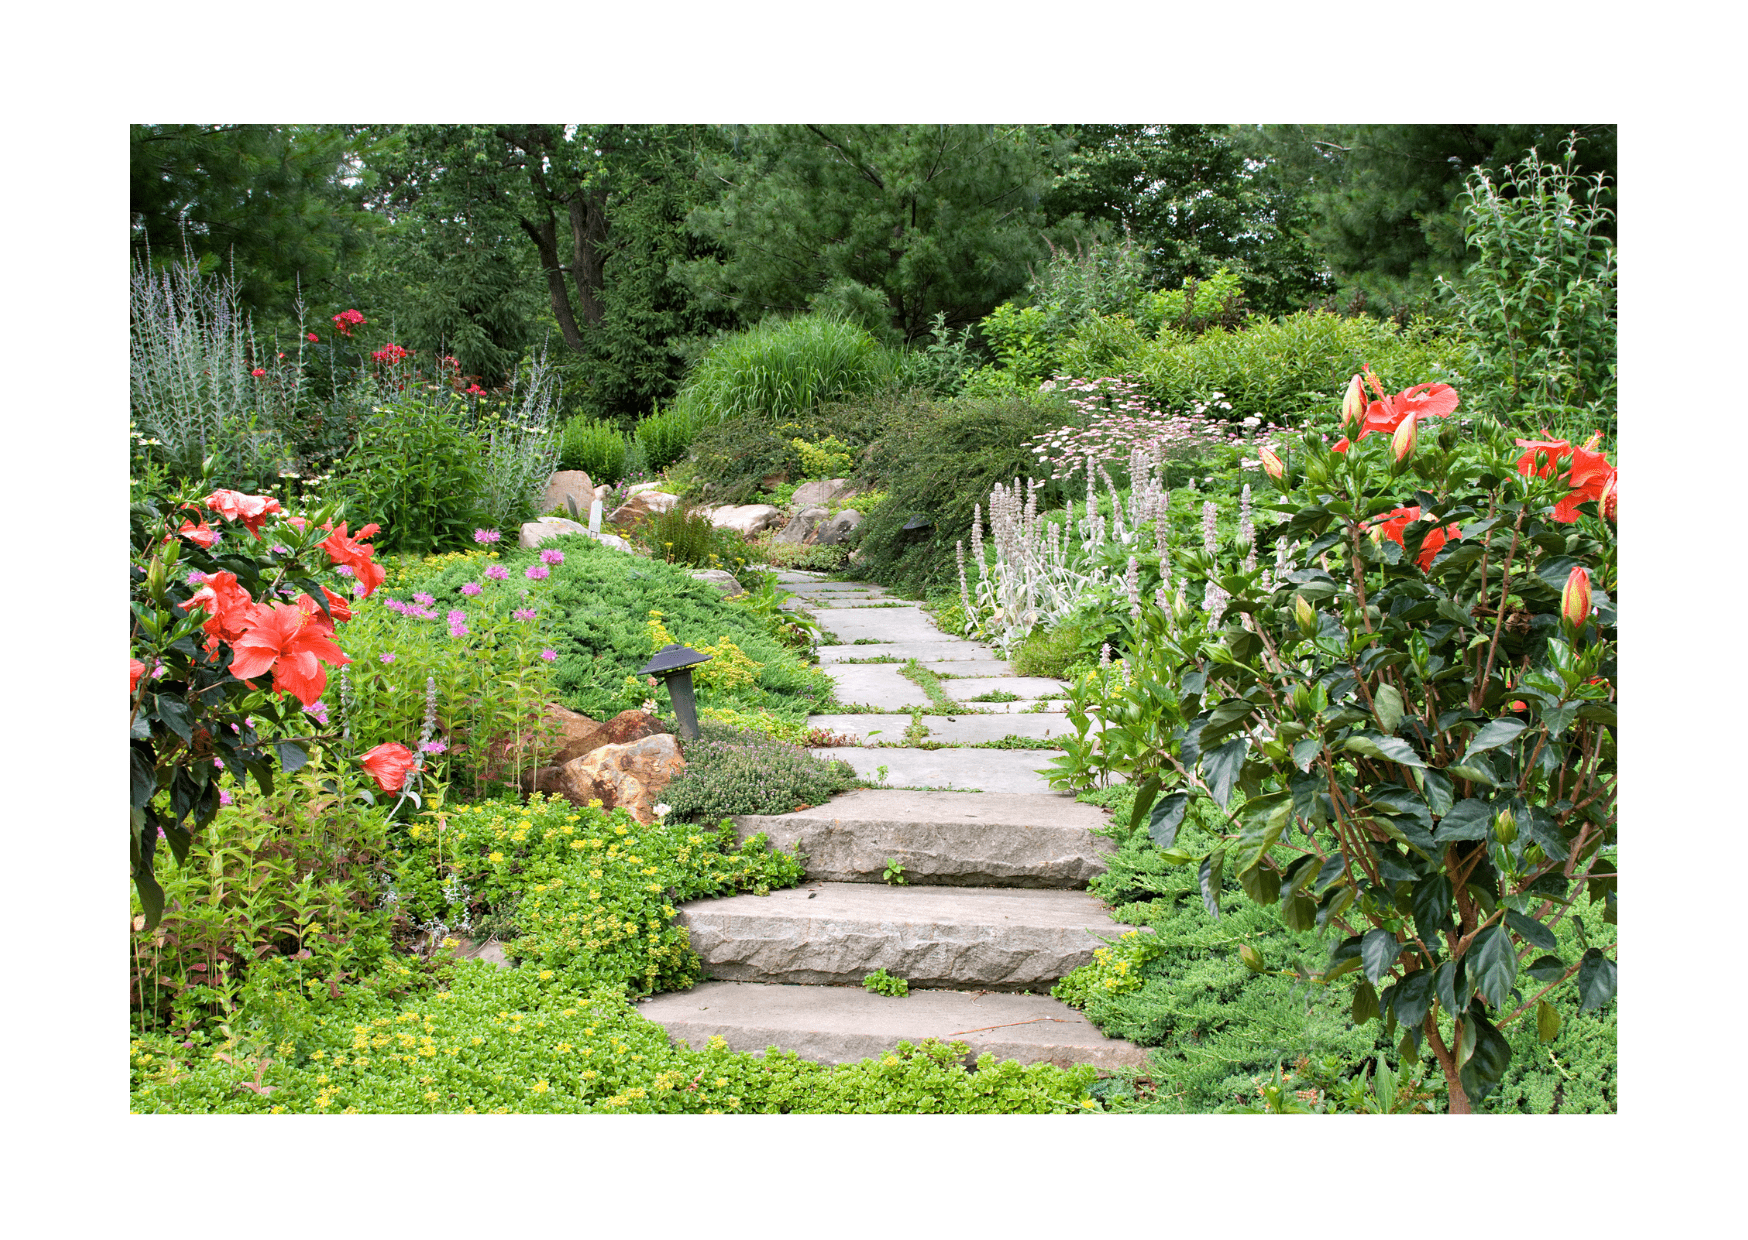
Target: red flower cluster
{"points": [[291, 640], [389, 354], [313, 338], [1392, 523], [251, 510], [1592, 478], [475, 390], [354, 553], [346, 320], [1384, 415], [258, 372], [388, 765]]}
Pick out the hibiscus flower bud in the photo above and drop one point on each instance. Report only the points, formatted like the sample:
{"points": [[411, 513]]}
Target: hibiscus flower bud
{"points": [[1353, 405], [1304, 615], [1575, 598], [1272, 464], [1403, 441], [1252, 958], [1505, 826]]}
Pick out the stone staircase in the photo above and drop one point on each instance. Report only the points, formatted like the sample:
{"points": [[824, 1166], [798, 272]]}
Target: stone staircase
{"points": [[993, 910]]}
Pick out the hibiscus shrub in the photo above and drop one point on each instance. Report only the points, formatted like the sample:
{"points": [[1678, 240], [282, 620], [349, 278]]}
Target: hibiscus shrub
{"points": [[225, 624], [1406, 726]]}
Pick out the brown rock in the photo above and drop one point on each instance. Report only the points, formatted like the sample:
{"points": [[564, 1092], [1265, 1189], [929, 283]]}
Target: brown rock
{"points": [[642, 507], [632, 776], [809, 494], [801, 526], [772, 481], [575, 484], [579, 735]]}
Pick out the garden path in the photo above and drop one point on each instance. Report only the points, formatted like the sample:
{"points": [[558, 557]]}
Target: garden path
{"points": [[994, 864]]}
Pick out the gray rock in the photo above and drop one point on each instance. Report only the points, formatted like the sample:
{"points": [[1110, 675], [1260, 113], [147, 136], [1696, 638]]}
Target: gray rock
{"points": [[808, 494], [834, 531], [642, 506], [613, 541], [946, 937], [801, 526], [534, 533], [721, 580], [990, 770], [748, 519], [571, 485]]}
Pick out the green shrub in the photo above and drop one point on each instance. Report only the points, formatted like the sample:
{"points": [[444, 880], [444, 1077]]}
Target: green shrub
{"points": [[417, 472], [664, 437], [683, 535], [1055, 652], [596, 448], [880, 982], [938, 461], [732, 458], [595, 611], [783, 368], [734, 772]]}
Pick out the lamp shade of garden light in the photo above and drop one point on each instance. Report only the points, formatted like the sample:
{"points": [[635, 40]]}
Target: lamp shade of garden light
{"points": [[674, 664]]}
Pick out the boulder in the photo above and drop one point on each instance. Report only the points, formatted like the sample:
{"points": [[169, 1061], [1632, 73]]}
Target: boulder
{"points": [[641, 487], [632, 776], [771, 482], [822, 492], [721, 580], [801, 526], [613, 541], [747, 519], [641, 507], [834, 531], [602, 492], [571, 485], [534, 533], [577, 735]]}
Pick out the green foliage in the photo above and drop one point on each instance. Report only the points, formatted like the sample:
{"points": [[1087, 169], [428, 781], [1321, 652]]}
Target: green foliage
{"points": [[742, 772], [509, 1041], [1538, 303], [683, 535], [595, 890], [1196, 306], [880, 982], [416, 471], [595, 614], [781, 370], [829, 458], [597, 448], [733, 457], [886, 225], [1054, 652], [939, 461], [664, 437], [893, 874]]}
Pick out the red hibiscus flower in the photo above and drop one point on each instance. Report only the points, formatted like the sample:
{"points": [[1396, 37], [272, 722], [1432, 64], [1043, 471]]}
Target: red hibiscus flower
{"points": [[200, 533], [338, 606], [1392, 523], [352, 551], [292, 641], [388, 765], [1591, 477], [1384, 415], [135, 669], [251, 510], [229, 604]]}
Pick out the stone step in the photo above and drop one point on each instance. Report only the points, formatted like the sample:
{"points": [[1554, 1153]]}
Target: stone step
{"points": [[894, 624], [965, 729], [876, 684], [826, 600], [842, 1024], [938, 648], [1027, 688], [951, 839], [970, 667], [951, 938], [976, 770]]}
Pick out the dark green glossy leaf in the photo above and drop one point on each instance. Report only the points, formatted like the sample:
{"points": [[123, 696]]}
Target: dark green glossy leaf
{"points": [[292, 755], [1545, 832], [1305, 751], [1298, 912], [1474, 774], [1384, 748], [1392, 869], [142, 777], [1365, 1003], [141, 728], [1547, 1021], [1226, 719], [1596, 980], [1411, 998], [1220, 768], [1494, 734], [1209, 875], [175, 715], [1487, 1063], [1438, 789], [1261, 883], [1387, 706], [1144, 800], [1531, 931], [1431, 901], [1166, 818], [1469, 819], [1492, 962], [1378, 951]]}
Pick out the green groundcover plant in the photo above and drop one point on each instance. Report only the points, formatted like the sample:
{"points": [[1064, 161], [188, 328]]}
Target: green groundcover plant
{"points": [[1414, 706]]}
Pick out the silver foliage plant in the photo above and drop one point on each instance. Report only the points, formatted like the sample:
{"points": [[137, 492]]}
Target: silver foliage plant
{"points": [[521, 444]]}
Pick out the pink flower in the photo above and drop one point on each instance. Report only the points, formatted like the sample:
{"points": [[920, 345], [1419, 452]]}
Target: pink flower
{"points": [[433, 747], [486, 536], [424, 598], [523, 613], [224, 797], [470, 587], [457, 616], [257, 373], [458, 630], [196, 577], [343, 570], [549, 655], [497, 572], [389, 657], [537, 571], [552, 557], [313, 338]]}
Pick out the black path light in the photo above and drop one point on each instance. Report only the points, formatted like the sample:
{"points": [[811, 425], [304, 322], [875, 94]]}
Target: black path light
{"points": [[674, 664]]}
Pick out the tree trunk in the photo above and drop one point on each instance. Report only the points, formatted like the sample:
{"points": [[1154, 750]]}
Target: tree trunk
{"points": [[1457, 1100], [588, 218], [545, 237]]}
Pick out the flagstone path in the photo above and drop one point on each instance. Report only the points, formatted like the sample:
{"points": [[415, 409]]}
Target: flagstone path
{"points": [[994, 908]]}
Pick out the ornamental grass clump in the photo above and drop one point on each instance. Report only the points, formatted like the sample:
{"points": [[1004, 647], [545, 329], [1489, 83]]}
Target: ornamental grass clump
{"points": [[1417, 711]]}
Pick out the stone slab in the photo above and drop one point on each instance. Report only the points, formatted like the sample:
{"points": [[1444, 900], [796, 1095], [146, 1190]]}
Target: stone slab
{"points": [[876, 684], [896, 624], [938, 649], [954, 839], [839, 598], [843, 1024], [984, 770], [971, 667], [1026, 686], [797, 576], [964, 729], [951, 938]]}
